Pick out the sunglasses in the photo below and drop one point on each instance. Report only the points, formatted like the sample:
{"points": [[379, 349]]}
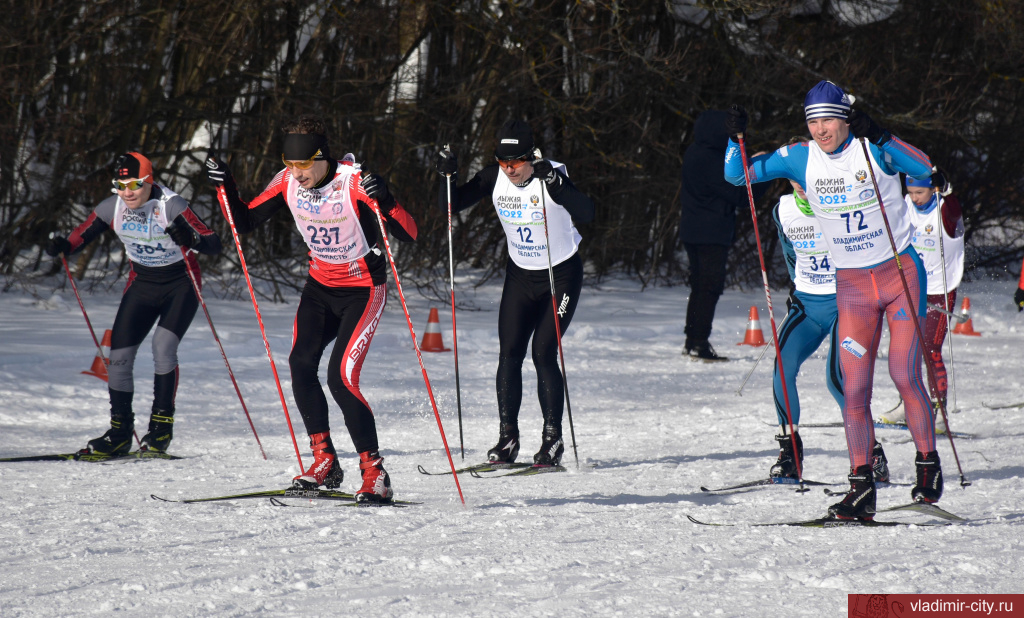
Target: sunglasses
{"points": [[513, 164], [302, 165], [131, 185]]}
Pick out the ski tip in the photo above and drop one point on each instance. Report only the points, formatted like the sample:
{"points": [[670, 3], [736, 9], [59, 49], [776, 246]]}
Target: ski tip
{"points": [[704, 489], [421, 469], [156, 497]]}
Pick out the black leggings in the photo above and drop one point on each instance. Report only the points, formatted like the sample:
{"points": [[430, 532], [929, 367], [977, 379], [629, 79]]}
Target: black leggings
{"points": [[171, 306], [349, 315], [526, 310]]}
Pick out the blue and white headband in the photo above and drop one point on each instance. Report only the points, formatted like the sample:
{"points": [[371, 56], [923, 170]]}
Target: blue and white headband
{"points": [[826, 100]]}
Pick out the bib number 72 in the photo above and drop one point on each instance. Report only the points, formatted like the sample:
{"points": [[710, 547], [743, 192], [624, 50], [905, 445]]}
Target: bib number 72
{"points": [[859, 216]]}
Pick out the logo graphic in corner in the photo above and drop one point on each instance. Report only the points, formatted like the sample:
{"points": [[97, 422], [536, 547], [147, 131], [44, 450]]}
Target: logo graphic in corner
{"points": [[928, 229], [901, 315], [853, 347], [534, 200], [861, 175], [867, 194]]}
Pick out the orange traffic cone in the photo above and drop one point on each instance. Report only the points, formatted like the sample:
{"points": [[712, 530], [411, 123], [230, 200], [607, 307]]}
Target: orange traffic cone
{"points": [[754, 335], [432, 341], [99, 366], [966, 328]]}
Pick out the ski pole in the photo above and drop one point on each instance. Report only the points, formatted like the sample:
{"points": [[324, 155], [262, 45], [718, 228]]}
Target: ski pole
{"points": [[949, 314], [222, 195], [771, 315], [455, 336], [412, 332], [88, 322], [913, 312], [945, 295], [739, 391], [558, 327], [209, 320]]}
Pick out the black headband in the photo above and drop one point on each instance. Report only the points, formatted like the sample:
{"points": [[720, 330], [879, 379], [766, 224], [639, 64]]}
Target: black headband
{"points": [[303, 146]]}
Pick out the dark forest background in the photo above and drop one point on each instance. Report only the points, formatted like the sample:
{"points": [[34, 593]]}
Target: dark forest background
{"points": [[611, 88]]}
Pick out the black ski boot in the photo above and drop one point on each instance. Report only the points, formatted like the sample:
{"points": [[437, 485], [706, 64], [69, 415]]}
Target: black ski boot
{"points": [[118, 439], [551, 448], [507, 448], [786, 464], [929, 478], [161, 430], [859, 503], [879, 464]]}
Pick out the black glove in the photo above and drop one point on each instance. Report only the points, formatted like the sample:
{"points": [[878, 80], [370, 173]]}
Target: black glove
{"points": [[57, 246], [736, 122], [1018, 299], [182, 234], [446, 163], [217, 171], [940, 182], [377, 189], [542, 169], [861, 125]]}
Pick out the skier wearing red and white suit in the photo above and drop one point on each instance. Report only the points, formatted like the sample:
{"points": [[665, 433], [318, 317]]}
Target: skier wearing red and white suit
{"points": [[344, 294]]}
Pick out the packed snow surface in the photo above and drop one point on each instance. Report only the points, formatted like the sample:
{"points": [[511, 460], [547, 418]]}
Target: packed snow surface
{"points": [[608, 538]]}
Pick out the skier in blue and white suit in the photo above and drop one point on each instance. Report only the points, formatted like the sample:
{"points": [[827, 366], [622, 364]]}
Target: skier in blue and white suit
{"points": [[812, 316]]}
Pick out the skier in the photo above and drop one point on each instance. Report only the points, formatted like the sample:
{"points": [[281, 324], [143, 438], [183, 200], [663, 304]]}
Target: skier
{"points": [[925, 198], [525, 186], [838, 183], [812, 316], [154, 223], [344, 294]]}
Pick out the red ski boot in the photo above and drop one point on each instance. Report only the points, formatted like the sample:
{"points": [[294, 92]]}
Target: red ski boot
{"points": [[376, 482], [325, 469]]}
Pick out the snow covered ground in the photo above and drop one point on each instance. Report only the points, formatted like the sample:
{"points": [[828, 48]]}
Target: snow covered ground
{"points": [[609, 539]]}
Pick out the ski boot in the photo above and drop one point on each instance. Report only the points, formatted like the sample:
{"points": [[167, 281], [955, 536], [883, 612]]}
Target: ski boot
{"points": [[507, 448], [879, 464], [117, 441], [551, 448], [895, 416], [786, 464], [325, 469], [859, 503], [161, 430], [376, 482], [929, 478]]}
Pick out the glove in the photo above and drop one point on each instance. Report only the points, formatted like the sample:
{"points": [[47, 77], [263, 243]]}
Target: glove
{"points": [[861, 125], [58, 245], [940, 182], [183, 235], [542, 169], [736, 122], [1018, 299], [377, 189], [217, 171], [446, 163]]}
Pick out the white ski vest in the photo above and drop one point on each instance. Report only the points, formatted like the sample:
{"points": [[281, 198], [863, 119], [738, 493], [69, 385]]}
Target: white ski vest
{"points": [[327, 219], [521, 212], [927, 227], [843, 198], [815, 273], [142, 230]]}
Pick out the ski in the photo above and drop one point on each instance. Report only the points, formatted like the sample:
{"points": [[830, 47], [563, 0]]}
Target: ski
{"points": [[824, 522], [1005, 406], [881, 425], [779, 480], [291, 492], [527, 471], [393, 503], [480, 467], [91, 457], [916, 507]]}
